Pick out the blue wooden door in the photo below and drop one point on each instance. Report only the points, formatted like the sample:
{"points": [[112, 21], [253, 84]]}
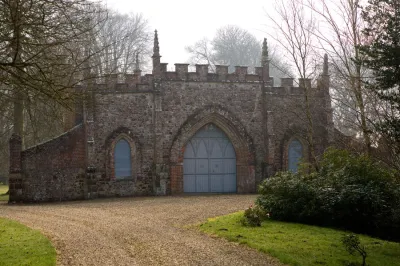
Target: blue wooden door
{"points": [[295, 154], [209, 163]]}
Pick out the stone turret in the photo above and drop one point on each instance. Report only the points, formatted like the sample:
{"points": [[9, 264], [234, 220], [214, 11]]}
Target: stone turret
{"points": [[325, 73], [323, 87], [264, 54], [156, 57], [265, 63], [137, 72], [137, 63], [324, 79]]}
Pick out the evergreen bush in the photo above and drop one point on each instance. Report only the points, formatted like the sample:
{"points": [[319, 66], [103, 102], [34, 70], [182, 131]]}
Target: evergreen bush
{"points": [[349, 191]]}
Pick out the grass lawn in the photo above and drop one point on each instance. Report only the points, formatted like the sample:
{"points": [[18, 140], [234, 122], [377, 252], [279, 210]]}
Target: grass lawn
{"points": [[3, 191], [298, 244], [20, 245]]}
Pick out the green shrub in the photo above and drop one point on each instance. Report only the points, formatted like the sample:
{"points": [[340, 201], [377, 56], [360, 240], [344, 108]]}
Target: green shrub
{"points": [[253, 216], [289, 197], [348, 191]]}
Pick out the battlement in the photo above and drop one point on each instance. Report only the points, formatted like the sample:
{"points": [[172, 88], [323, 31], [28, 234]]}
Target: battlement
{"points": [[203, 74], [181, 73], [138, 83]]}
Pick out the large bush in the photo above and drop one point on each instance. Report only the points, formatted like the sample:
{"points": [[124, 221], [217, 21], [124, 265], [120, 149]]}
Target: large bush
{"points": [[349, 191]]}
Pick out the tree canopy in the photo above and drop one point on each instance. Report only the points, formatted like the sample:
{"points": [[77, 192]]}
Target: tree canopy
{"points": [[42, 44], [235, 46]]}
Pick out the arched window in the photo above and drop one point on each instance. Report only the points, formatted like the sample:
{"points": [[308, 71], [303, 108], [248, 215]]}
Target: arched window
{"points": [[295, 152], [122, 159]]}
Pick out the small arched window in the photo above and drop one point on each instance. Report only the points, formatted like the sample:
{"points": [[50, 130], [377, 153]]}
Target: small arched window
{"points": [[295, 152], [122, 159]]}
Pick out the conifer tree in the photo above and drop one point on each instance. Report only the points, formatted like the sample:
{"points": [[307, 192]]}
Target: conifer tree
{"points": [[383, 58]]}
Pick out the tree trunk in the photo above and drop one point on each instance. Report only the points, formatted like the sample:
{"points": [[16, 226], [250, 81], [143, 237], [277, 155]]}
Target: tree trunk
{"points": [[16, 59], [360, 102], [18, 113]]}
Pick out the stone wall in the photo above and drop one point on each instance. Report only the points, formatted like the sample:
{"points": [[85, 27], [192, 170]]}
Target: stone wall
{"points": [[159, 118], [235, 107], [287, 119], [157, 114], [128, 115]]}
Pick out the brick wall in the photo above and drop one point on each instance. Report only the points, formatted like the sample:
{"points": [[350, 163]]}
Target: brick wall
{"points": [[52, 171]]}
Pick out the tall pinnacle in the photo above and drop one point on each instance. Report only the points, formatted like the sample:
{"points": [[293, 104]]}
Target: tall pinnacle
{"points": [[325, 68], [156, 57], [137, 63], [264, 54], [156, 48]]}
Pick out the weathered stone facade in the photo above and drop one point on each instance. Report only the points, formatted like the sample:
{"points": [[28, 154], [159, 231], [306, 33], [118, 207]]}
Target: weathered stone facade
{"points": [[157, 114]]}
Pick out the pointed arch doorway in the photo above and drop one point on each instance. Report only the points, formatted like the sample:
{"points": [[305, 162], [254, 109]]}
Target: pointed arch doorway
{"points": [[209, 162]]}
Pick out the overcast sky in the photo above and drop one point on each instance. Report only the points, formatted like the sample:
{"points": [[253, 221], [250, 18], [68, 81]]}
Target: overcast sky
{"points": [[182, 22]]}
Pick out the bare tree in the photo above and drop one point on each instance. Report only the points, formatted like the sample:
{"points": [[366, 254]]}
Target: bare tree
{"points": [[295, 32], [49, 46], [339, 35], [119, 39], [202, 52], [235, 46]]}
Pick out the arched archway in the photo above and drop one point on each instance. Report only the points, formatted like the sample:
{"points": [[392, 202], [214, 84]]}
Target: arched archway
{"points": [[209, 162], [126, 136], [294, 150], [235, 132]]}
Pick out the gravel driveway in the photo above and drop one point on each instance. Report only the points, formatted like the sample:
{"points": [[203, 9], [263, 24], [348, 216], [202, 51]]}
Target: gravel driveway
{"points": [[138, 231]]}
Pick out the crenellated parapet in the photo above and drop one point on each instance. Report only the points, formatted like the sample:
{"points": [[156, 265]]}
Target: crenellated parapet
{"points": [[135, 83], [124, 83], [203, 74]]}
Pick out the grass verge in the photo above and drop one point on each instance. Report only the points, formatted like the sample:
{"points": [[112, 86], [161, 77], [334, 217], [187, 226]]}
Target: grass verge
{"points": [[298, 244], [3, 191], [20, 245]]}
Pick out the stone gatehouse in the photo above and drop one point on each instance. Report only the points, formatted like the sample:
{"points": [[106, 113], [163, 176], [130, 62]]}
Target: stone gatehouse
{"points": [[173, 132]]}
